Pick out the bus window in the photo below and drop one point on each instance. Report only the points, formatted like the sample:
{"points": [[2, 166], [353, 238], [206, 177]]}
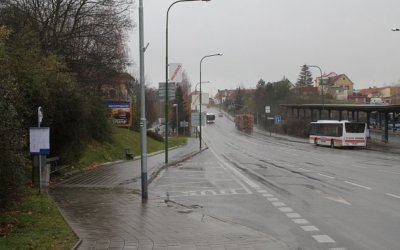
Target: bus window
{"points": [[340, 130], [355, 127]]}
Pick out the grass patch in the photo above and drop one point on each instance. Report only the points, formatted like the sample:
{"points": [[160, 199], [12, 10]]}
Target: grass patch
{"points": [[35, 223], [96, 153]]}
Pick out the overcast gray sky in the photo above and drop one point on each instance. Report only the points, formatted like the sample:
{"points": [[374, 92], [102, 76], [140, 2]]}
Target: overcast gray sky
{"points": [[271, 39]]}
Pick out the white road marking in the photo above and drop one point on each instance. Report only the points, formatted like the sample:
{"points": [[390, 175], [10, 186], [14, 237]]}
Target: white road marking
{"points": [[262, 191], [323, 239], [235, 171], [293, 215], [237, 180], [337, 248], [337, 199], [393, 195], [286, 209], [208, 192], [273, 199], [278, 204], [267, 195], [305, 170], [327, 176], [309, 228], [358, 185], [301, 221]]}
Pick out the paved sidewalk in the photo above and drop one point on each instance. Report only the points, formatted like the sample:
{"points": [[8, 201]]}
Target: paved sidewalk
{"points": [[104, 208]]}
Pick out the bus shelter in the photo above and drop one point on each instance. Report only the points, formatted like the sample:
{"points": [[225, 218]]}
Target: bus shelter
{"points": [[383, 113]]}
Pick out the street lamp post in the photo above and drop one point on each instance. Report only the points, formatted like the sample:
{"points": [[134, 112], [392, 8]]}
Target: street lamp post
{"points": [[322, 85], [143, 132], [201, 61], [177, 115], [166, 75]]}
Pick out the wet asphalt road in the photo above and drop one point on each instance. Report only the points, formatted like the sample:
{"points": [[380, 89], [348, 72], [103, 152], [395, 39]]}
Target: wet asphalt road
{"points": [[307, 197]]}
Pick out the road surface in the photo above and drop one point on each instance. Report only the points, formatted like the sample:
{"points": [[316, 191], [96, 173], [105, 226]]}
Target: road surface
{"points": [[306, 196]]}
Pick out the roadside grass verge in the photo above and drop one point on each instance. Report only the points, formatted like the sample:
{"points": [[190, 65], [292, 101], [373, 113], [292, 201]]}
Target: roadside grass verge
{"points": [[35, 223], [96, 153]]}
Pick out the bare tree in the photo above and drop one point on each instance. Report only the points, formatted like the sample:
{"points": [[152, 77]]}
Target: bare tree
{"points": [[88, 34]]}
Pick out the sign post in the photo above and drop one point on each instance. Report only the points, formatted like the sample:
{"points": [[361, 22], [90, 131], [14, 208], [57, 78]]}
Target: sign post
{"points": [[39, 144], [184, 125]]}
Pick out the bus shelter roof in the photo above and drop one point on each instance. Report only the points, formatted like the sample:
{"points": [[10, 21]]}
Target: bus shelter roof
{"points": [[383, 108]]}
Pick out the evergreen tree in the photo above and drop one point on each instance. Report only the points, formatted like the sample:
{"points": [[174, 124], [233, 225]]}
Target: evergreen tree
{"points": [[305, 77]]}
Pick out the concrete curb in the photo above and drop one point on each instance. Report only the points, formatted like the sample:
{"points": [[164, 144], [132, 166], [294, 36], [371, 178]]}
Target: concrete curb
{"points": [[72, 173], [79, 242]]}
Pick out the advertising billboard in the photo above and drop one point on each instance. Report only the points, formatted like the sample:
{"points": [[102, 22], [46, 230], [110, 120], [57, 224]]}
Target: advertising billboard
{"points": [[120, 113]]}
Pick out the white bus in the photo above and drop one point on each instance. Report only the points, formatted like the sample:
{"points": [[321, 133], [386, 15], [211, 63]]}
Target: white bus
{"points": [[210, 118], [338, 133]]}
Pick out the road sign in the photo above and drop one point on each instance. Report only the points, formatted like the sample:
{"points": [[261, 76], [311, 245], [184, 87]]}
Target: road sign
{"points": [[184, 124], [277, 119], [39, 140], [162, 90], [267, 109], [196, 119]]}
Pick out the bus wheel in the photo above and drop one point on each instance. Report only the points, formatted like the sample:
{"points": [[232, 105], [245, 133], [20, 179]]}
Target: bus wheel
{"points": [[332, 143], [315, 142]]}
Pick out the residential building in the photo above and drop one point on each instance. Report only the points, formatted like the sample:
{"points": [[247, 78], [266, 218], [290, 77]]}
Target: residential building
{"points": [[339, 86], [358, 97], [390, 94]]}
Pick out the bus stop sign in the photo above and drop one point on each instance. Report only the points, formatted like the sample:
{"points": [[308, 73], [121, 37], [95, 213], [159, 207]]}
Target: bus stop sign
{"points": [[277, 119]]}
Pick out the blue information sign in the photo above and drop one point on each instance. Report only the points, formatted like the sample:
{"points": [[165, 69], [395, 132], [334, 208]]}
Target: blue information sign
{"points": [[277, 119]]}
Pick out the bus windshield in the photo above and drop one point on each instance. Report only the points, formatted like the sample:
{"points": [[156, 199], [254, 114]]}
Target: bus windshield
{"points": [[355, 127], [210, 117]]}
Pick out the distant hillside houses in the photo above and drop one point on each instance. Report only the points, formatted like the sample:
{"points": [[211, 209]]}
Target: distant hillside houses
{"points": [[341, 87], [389, 94]]}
